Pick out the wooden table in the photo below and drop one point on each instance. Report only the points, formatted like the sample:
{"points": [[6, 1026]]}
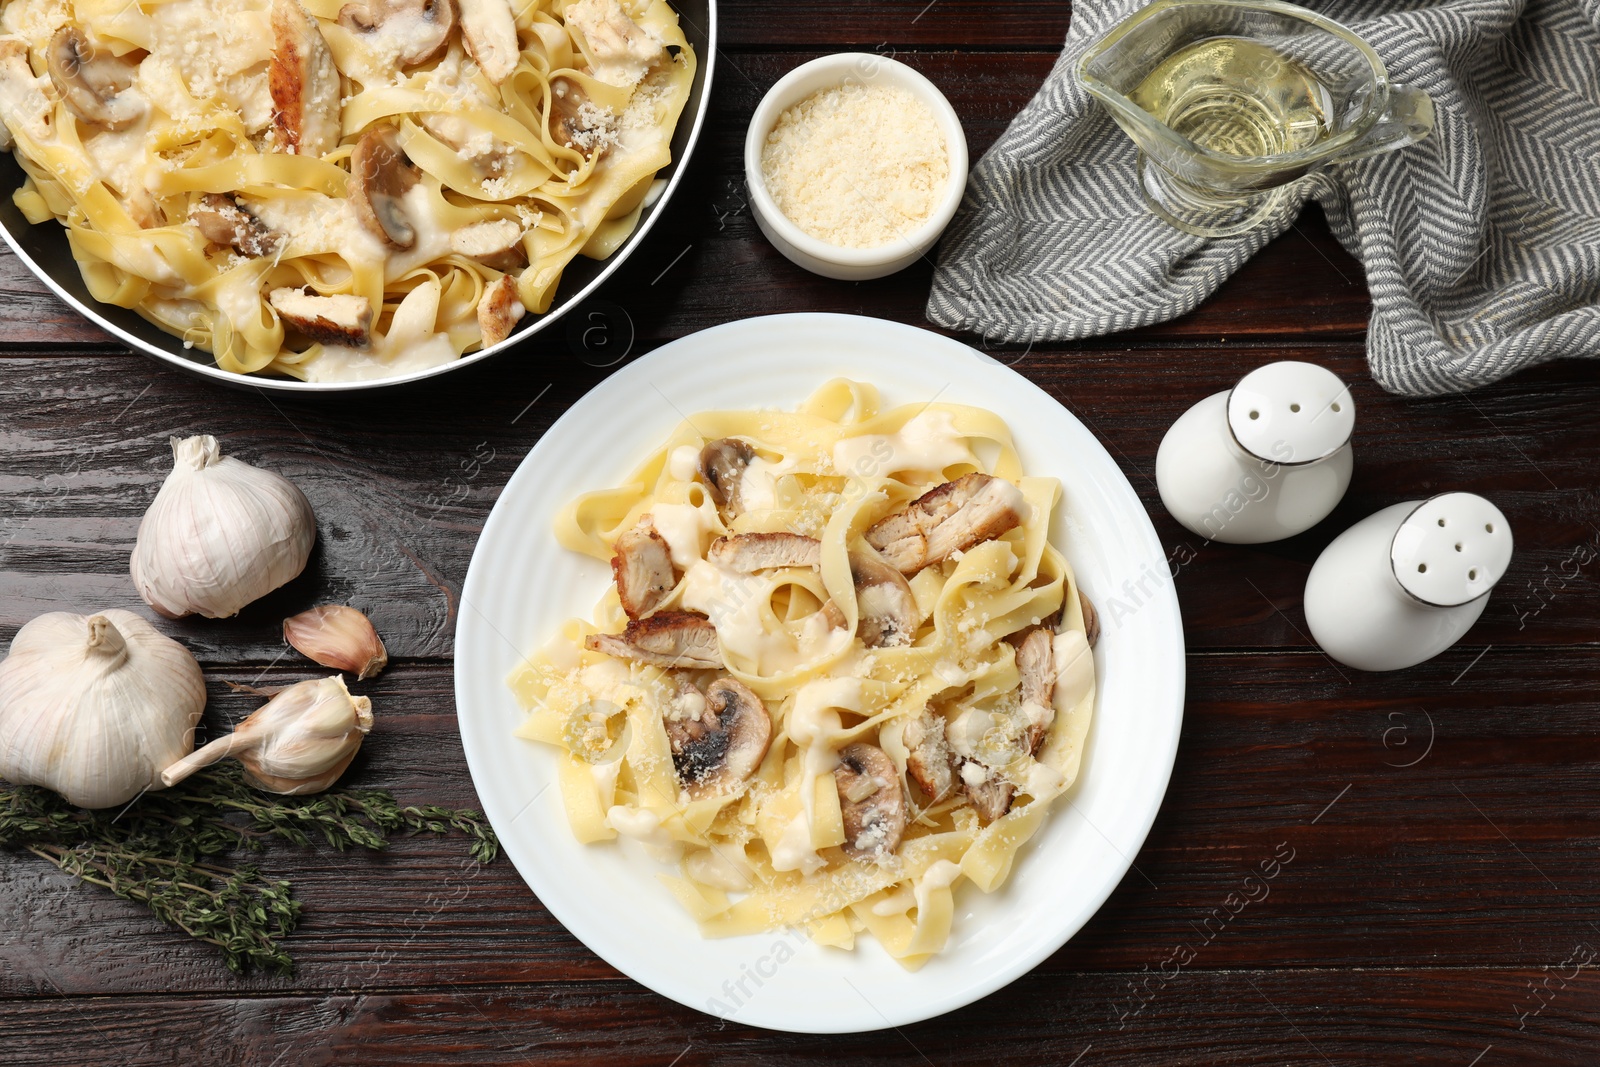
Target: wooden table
{"points": [[1437, 826]]}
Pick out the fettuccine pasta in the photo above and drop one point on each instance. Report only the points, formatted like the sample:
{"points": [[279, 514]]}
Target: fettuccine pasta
{"points": [[841, 668], [338, 190]]}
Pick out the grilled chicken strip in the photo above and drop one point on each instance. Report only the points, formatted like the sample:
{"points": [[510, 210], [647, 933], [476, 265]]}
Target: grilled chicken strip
{"points": [[665, 639], [931, 764], [643, 570], [946, 519], [1036, 665], [304, 83], [342, 319], [753, 552]]}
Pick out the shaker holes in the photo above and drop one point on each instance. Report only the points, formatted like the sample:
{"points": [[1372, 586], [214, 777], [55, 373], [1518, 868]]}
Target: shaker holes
{"points": [[1473, 574], [1255, 414], [1294, 407], [1458, 548], [1422, 568]]}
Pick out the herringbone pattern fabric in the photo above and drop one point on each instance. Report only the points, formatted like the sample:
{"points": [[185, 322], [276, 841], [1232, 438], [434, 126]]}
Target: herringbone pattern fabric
{"points": [[1481, 243]]}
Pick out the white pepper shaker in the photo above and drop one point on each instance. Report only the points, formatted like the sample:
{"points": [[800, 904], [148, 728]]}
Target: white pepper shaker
{"points": [[1404, 584], [1265, 460]]}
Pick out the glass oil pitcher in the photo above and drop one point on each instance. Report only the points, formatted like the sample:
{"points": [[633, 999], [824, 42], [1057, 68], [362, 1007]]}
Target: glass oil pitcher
{"points": [[1231, 100]]}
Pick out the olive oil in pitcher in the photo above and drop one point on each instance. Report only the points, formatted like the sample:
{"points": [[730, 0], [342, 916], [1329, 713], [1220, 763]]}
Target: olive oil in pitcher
{"points": [[1237, 97]]}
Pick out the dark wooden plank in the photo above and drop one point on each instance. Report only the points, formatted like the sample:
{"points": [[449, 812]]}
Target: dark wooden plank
{"points": [[894, 25], [707, 262], [1425, 1015], [402, 482], [1410, 819]]}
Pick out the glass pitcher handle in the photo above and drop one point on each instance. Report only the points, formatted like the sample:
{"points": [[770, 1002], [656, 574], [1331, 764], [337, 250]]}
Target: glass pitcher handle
{"points": [[1407, 120]]}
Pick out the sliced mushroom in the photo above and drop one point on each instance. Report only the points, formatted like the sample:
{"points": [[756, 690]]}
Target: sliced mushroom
{"points": [[871, 801], [380, 177], [665, 639], [330, 320], [887, 612], [930, 764], [498, 310], [948, 518], [490, 34], [721, 747], [419, 29], [642, 567], [577, 122], [495, 243], [722, 465], [223, 220], [752, 552], [303, 81], [92, 82], [1091, 619], [1036, 665], [22, 105], [989, 794]]}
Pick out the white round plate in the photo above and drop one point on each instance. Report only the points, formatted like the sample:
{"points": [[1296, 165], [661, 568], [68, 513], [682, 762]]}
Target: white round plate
{"points": [[522, 585]]}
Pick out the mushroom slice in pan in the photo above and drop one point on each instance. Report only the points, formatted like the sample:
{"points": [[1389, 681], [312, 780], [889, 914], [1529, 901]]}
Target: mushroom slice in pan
{"points": [[92, 82], [416, 30], [380, 177], [930, 764], [223, 220], [1091, 619], [304, 83], [665, 639], [495, 243], [330, 320], [490, 34], [753, 552], [1036, 665], [722, 466], [871, 800], [721, 747], [946, 519], [642, 567], [576, 122], [23, 106], [887, 611]]}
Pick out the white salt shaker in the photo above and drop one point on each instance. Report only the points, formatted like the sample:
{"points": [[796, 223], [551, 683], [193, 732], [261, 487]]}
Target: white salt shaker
{"points": [[1265, 460], [1406, 583]]}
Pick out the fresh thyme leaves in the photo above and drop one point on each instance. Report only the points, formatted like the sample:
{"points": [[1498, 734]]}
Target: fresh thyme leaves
{"points": [[169, 850]]}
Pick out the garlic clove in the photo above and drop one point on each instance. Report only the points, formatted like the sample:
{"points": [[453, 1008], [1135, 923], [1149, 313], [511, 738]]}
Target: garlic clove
{"points": [[339, 637], [219, 534], [95, 706], [298, 742]]}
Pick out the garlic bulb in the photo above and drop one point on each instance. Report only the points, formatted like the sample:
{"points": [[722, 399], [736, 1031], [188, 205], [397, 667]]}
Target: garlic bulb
{"points": [[300, 741], [338, 637], [94, 707], [219, 534]]}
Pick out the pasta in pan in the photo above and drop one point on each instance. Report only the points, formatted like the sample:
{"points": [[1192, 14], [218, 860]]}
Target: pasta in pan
{"points": [[841, 667], [338, 189]]}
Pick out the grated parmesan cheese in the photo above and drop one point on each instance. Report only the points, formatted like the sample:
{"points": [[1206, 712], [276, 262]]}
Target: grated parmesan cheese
{"points": [[857, 166]]}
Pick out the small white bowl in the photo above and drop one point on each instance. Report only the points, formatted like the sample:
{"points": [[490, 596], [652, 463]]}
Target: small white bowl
{"points": [[818, 256]]}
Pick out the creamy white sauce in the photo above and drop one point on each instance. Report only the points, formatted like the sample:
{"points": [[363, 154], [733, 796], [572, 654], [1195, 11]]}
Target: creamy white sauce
{"points": [[685, 529], [793, 851], [941, 874], [758, 484], [605, 781], [683, 463], [929, 442], [644, 826], [713, 867]]}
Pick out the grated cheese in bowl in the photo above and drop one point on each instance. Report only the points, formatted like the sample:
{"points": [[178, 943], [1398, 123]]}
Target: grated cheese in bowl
{"points": [[857, 166]]}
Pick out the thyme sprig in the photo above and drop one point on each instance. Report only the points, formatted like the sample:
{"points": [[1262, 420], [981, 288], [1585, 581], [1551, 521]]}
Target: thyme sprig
{"points": [[170, 850]]}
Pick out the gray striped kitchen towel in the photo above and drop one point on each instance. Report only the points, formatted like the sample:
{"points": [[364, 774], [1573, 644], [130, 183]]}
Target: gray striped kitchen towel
{"points": [[1481, 243]]}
